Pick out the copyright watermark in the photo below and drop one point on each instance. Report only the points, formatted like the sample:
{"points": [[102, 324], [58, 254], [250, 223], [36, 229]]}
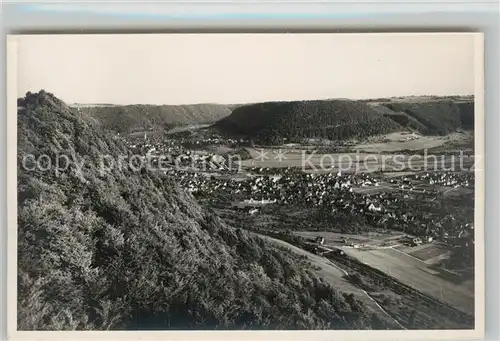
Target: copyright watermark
{"points": [[105, 164], [366, 162], [307, 160]]}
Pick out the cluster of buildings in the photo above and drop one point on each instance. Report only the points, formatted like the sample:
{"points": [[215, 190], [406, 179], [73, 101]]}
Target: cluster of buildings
{"points": [[166, 153], [212, 141], [429, 179], [413, 214], [145, 145], [208, 175], [333, 193], [178, 142], [463, 179]]}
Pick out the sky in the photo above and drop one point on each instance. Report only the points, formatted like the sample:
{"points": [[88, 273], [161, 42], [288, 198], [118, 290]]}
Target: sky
{"points": [[244, 68]]}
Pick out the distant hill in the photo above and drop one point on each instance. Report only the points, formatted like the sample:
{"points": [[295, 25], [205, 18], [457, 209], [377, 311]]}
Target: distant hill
{"points": [[333, 119], [438, 117], [132, 118], [123, 249], [271, 122]]}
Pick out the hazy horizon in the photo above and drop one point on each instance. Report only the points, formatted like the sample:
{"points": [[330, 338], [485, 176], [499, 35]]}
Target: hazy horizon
{"points": [[183, 69], [247, 103]]}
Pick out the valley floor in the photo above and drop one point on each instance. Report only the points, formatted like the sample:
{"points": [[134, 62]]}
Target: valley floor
{"points": [[414, 266], [410, 287]]}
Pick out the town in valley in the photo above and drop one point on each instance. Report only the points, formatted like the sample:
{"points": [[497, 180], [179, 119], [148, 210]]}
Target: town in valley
{"points": [[399, 235]]}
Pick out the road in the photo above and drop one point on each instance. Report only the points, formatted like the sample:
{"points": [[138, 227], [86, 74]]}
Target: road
{"points": [[334, 276], [417, 274], [328, 271]]}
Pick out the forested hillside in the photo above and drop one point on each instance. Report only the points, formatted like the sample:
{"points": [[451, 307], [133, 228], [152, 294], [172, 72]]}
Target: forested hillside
{"points": [[131, 118], [271, 122], [124, 249], [401, 118], [433, 117]]}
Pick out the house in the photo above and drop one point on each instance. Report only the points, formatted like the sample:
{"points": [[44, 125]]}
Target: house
{"points": [[416, 241], [320, 240], [253, 211], [373, 208]]}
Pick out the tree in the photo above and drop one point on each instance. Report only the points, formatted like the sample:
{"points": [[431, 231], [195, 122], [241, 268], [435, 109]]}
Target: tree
{"points": [[411, 320]]}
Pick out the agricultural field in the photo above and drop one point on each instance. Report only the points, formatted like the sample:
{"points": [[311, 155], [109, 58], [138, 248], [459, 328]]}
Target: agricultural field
{"points": [[364, 161], [414, 267]]}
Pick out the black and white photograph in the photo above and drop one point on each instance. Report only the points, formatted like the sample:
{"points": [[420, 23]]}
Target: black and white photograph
{"points": [[243, 182]]}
